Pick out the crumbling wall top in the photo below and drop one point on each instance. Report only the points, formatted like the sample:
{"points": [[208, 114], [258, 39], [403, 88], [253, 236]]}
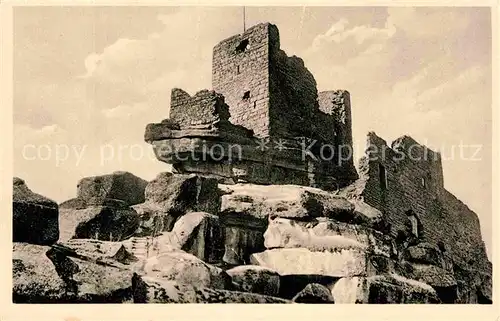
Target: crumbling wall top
{"points": [[204, 108], [259, 34], [411, 148], [372, 139]]}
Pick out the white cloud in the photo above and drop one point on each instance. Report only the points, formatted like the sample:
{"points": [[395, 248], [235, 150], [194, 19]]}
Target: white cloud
{"points": [[342, 42], [426, 22], [124, 111], [143, 71], [360, 34], [27, 134], [459, 88], [332, 34]]}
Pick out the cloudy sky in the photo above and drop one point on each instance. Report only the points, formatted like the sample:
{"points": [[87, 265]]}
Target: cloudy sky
{"points": [[88, 79]]}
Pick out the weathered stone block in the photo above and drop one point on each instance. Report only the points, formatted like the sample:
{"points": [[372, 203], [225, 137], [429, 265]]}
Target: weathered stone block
{"points": [[433, 275], [35, 217], [303, 261], [74, 203], [285, 233], [200, 234], [178, 194], [240, 242], [383, 289], [286, 201], [424, 253], [185, 269], [96, 250], [122, 186], [325, 235], [98, 222], [152, 219], [255, 279], [49, 275], [151, 290], [314, 293]]}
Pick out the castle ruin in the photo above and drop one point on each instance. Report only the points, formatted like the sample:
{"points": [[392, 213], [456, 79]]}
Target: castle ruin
{"points": [[261, 98], [263, 205]]}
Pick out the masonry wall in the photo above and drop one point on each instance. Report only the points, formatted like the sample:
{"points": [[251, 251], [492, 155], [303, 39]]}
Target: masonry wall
{"points": [[336, 105], [415, 182], [267, 91], [201, 110], [293, 95], [236, 72], [276, 96], [468, 246]]}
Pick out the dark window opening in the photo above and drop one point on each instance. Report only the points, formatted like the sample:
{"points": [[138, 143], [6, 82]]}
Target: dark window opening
{"points": [[242, 46], [254, 104], [246, 95], [414, 223], [382, 176], [237, 69], [441, 246]]}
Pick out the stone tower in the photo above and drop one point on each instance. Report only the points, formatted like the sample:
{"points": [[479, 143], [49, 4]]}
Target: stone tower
{"points": [[267, 91], [260, 92], [240, 72]]}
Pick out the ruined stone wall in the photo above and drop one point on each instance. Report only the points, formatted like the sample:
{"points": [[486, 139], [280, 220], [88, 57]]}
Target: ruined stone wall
{"points": [[335, 105], [294, 96], [240, 71], [467, 245], [267, 91], [414, 181], [404, 189], [294, 107], [204, 108]]}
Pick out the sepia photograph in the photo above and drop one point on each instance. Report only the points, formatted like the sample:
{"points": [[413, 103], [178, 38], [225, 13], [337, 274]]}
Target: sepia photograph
{"points": [[252, 154]]}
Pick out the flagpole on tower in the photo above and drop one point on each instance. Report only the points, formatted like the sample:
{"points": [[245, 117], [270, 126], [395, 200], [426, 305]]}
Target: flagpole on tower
{"points": [[244, 22]]}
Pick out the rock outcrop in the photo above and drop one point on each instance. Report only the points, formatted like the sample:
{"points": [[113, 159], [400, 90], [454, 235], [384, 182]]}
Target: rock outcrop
{"points": [[259, 245], [255, 279], [99, 222], [35, 217], [43, 274], [170, 196], [246, 211], [102, 209], [383, 289], [264, 205], [185, 269], [200, 234], [151, 290], [314, 293], [122, 186]]}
